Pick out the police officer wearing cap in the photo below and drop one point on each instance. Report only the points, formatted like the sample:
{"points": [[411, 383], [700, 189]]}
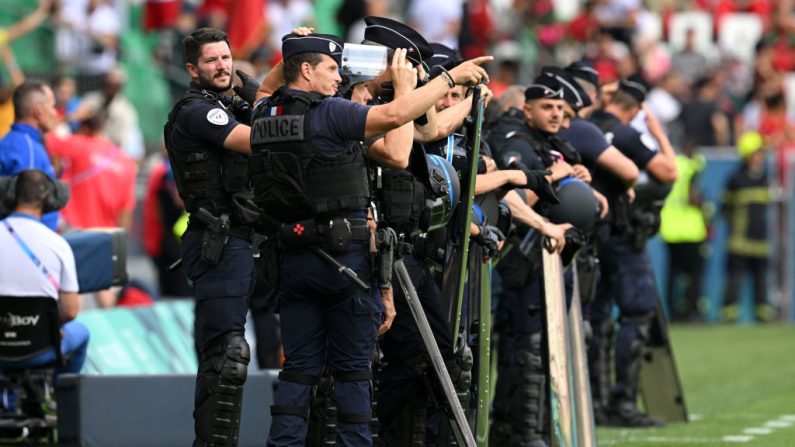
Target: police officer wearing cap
{"points": [[520, 416], [310, 180], [403, 201], [208, 144], [626, 276]]}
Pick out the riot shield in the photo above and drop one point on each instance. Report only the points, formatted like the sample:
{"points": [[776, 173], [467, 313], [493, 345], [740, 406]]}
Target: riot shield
{"points": [[560, 383], [583, 413], [663, 396], [482, 369], [458, 420], [457, 252]]}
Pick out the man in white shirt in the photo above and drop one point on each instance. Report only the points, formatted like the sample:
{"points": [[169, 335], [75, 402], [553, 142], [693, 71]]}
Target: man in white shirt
{"points": [[38, 262]]}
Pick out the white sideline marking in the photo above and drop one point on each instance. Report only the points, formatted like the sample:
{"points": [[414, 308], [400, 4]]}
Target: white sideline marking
{"points": [[788, 417], [658, 440], [737, 438], [695, 417], [778, 423], [758, 431]]}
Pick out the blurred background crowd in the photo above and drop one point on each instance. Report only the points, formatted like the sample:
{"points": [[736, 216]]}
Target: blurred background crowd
{"points": [[721, 71]]}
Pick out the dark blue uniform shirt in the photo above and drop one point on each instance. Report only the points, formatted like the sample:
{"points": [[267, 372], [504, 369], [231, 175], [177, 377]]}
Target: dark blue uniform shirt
{"points": [[626, 139], [587, 138], [202, 125]]}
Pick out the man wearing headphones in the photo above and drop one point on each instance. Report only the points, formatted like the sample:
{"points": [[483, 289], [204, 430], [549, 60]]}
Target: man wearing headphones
{"points": [[39, 262]]}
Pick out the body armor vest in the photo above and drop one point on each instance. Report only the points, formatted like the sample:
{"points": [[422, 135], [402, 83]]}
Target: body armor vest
{"points": [[292, 181], [402, 200], [208, 178]]}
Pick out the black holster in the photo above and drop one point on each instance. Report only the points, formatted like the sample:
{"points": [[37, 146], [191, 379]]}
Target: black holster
{"points": [[215, 236], [386, 240], [587, 276], [523, 260]]}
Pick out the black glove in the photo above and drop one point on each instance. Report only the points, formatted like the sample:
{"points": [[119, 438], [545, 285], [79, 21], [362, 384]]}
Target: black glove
{"points": [[537, 182], [489, 237], [241, 109], [248, 90]]}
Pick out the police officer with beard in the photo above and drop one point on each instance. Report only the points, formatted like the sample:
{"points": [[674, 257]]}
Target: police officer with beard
{"points": [[626, 274], [311, 181], [208, 146]]}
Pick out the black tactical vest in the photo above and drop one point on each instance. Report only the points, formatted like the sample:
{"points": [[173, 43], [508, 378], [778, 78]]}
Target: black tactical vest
{"points": [[292, 181], [208, 178], [402, 200]]}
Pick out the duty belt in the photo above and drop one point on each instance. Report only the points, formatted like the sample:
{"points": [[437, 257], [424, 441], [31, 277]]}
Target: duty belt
{"points": [[335, 233], [240, 231]]}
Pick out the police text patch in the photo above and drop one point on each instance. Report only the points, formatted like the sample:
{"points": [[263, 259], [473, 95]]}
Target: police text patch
{"points": [[218, 116], [278, 129]]}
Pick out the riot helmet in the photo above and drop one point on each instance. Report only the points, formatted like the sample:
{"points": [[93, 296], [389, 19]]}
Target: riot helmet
{"points": [[444, 193], [360, 63], [577, 206]]}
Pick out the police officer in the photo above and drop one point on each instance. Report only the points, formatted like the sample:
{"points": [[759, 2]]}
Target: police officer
{"points": [[405, 408], [626, 276], [520, 401], [206, 143], [310, 179]]}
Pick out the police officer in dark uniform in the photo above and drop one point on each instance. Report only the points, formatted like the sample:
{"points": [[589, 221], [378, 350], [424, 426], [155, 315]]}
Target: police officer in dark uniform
{"points": [[207, 146], [310, 179], [626, 276], [404, 376], [520, 401]]}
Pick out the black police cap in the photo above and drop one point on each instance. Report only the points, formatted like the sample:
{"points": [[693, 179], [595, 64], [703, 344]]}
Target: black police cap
{"points": [[293, 44], [583, 70], [572, 92], [443, 57], [393, 34], [544, 87], [635, 86]]}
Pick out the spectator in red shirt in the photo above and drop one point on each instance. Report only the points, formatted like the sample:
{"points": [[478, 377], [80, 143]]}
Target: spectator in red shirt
{"points": [[584, 27], [100, 175]]}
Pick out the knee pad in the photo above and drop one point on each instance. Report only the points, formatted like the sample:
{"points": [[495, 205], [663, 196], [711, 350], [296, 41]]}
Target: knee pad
{"points": [[230, 356], [528, 397], [641, 325], [460, 368], [219, 396]]}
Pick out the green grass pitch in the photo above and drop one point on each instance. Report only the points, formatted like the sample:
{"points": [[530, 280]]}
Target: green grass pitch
{"points": [[739, 386]]}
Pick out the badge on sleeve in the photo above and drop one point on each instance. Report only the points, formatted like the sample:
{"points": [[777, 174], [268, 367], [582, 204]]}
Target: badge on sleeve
{"points": [[648, 141], [218, 117]]}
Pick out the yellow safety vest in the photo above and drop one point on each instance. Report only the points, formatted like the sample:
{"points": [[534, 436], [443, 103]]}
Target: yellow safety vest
{"points": [[680, 221]]}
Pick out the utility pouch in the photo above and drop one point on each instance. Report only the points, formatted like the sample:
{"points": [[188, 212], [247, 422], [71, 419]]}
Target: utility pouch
{"points": [[338, 235]]}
